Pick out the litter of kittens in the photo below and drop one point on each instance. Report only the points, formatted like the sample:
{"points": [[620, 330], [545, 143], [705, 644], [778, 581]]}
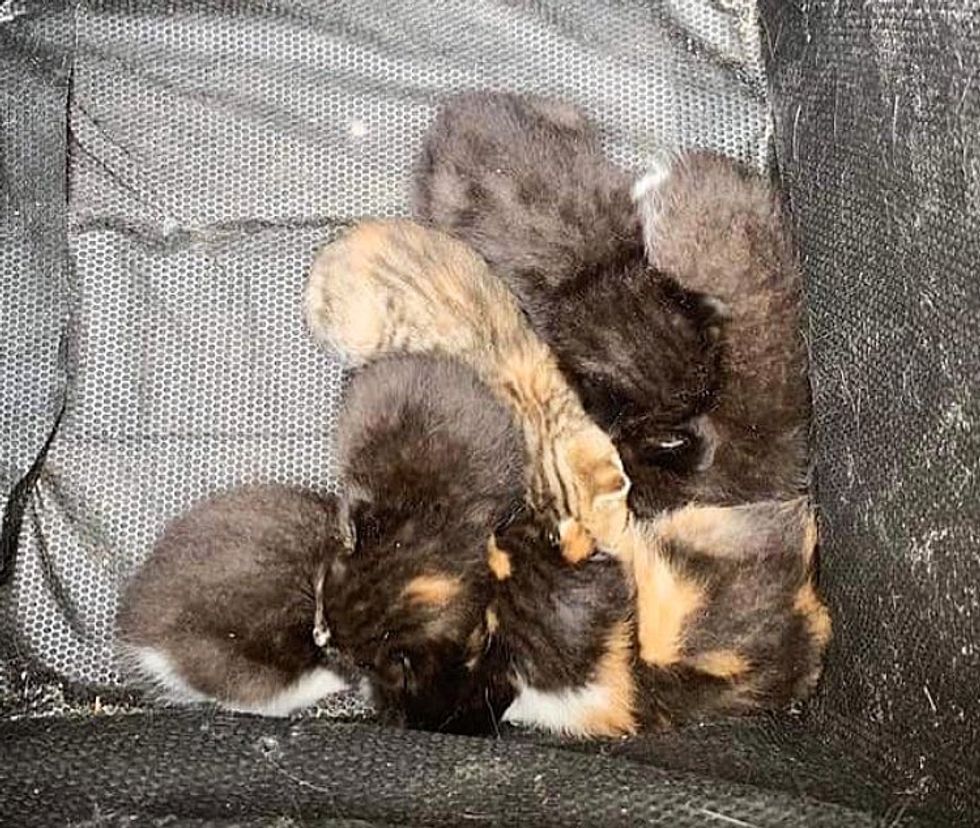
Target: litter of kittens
{"points": [[573, 489]]}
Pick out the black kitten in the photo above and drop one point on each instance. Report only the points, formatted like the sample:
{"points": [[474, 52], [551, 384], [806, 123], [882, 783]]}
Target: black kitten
{"points": [[524, 182], [223, 609], [431, 464]]}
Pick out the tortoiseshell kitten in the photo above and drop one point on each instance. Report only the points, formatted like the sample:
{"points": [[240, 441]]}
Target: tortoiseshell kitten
{"points": [[719, 228], [431, 463], [223, 609], [524, 182], [723, 620], [394, 286]]}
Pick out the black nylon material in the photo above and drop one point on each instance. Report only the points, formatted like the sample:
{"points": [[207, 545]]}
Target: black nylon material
{"points": [[222, 766], [877, 114]]}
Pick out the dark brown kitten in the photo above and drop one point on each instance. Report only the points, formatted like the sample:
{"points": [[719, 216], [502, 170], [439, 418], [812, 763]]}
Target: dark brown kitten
{"points": [[524, 182], [718, 228], [223, 609], [431, 464]]}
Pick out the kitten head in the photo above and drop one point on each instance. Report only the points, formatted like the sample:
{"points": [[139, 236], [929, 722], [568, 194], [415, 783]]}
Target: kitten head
{"points": [[431, 464], [646, 363], [406, 605]]}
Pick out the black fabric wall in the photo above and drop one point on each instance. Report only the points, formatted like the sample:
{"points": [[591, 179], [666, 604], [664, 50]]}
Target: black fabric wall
{"points": [[877, 110]]}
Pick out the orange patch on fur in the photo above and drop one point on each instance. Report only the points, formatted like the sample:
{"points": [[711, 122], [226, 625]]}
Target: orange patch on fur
{"points": [[478, 640], [614, 674], [493, 622], [498, 560], [432, 590], [576, 543], [816, 614], [664, 601], [726, 664]]}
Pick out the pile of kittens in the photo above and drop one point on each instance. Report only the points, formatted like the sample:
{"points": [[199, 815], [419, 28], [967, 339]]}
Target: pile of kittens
{"points": [[572, 459]]}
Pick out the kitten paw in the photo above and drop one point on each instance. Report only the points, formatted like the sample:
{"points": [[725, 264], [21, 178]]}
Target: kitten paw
{"points": [[575, 541], [602, 488]]}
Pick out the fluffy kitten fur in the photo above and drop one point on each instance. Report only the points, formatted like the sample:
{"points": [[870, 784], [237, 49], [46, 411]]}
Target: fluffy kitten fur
{"points": [[391, 286], [223, 608], [523, 180], [723, 619], [718, 228], [431, 464]]}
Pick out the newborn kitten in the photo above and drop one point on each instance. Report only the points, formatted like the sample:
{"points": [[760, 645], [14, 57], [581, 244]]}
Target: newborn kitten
{"points": [[718, 228], [524, 181], [431, 464], [223, 609], [724, 620], [391, 286]]}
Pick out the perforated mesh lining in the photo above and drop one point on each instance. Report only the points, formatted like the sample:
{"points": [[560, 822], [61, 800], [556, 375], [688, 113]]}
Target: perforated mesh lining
{"points": [[876, 106], [212, 150]]}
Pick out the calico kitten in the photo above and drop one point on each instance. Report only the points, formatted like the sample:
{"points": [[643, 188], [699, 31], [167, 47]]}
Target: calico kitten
{"points": [[718, 228], [718, 616], [524, 181], [431, 463], [390, 286], [223, 609]]}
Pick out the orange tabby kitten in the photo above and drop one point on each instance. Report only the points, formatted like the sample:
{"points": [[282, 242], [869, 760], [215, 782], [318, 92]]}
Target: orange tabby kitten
{"points": [[389, 286]]}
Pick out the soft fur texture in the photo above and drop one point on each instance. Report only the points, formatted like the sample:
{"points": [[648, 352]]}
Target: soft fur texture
{"points": [[390, 286], [523, 180], [432, 464], [223, 609], [716, 616], [719, 229], [744, 629]]}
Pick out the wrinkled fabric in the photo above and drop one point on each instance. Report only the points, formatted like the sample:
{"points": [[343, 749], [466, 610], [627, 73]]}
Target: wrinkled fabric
{"points": [[169, 170]]}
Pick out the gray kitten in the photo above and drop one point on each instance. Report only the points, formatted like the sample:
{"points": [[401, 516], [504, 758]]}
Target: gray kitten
{"points": [[524, 182], [719, 228], [223, 609]]}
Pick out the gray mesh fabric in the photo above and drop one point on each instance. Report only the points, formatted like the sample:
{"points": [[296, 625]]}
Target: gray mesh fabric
{"points": [[212, 148]]}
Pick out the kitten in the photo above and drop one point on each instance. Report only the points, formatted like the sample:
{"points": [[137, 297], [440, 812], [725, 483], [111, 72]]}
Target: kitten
{"points": [[718, 616], [431, 464], [391, 286], [523, 180], [718, 228], [223, 609]]}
